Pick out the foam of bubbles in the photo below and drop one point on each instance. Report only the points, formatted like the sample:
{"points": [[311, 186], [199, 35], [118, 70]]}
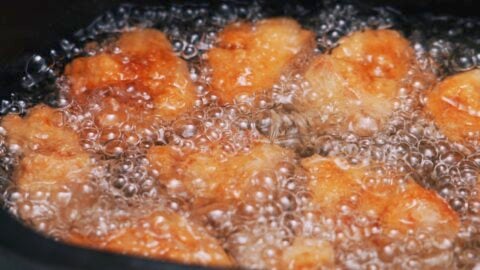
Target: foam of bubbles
{"points": [[278, 208]]}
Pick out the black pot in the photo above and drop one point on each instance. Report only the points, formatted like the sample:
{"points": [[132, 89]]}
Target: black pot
{"points": [[28, 27]]}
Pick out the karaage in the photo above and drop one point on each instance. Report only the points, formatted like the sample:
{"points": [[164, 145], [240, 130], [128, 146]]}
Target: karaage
{"points": [[50, 153], [454, 105], [354, 88], [250, 57], [142, 59], [396, 205], [216, 176], [162, 235]]}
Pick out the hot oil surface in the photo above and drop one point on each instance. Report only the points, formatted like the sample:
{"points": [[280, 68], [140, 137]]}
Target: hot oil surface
{"points": [[277, 209]]}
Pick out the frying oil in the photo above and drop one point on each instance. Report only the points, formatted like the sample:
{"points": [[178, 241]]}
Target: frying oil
{"points": [[123, 188]]}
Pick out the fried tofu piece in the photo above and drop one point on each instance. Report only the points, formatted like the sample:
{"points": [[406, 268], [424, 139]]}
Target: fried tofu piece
{"points": [[215, 176], [164, 236], [50, 153], [356, 85], [251, 57], [145, 60], [396, 206], [454, 105]]}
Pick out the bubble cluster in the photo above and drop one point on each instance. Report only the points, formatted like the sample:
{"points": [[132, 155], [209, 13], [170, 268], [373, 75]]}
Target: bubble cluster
{"points": [[275, 214], [452, 43]]}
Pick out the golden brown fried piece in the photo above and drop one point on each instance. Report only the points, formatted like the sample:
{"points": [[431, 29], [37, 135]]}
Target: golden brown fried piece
{"points": [[165, 160], [357, 83], [52, 157], [165, 236], [383, 54], [249, 58], [261, 252], [51, 171], [51, 154], [454, 105], [396, 206], [329, 183], [145, 61], [308, 253], [41, 131], [420, 208], [215, 176]]}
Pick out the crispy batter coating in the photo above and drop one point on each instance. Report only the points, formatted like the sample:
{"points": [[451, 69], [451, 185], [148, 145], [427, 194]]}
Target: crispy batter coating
{"points": [[163, 235], [51, 171], [301, 252], [51, 154], [53, 157], [41, 131], [89, 73], [214, 176], [330, 184], [383, 54], [396, 206], [358, 82], [228, 178], [454, 105], [145, 61], [420, 208], [165, 160], [308, 253], [249, 58]]}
